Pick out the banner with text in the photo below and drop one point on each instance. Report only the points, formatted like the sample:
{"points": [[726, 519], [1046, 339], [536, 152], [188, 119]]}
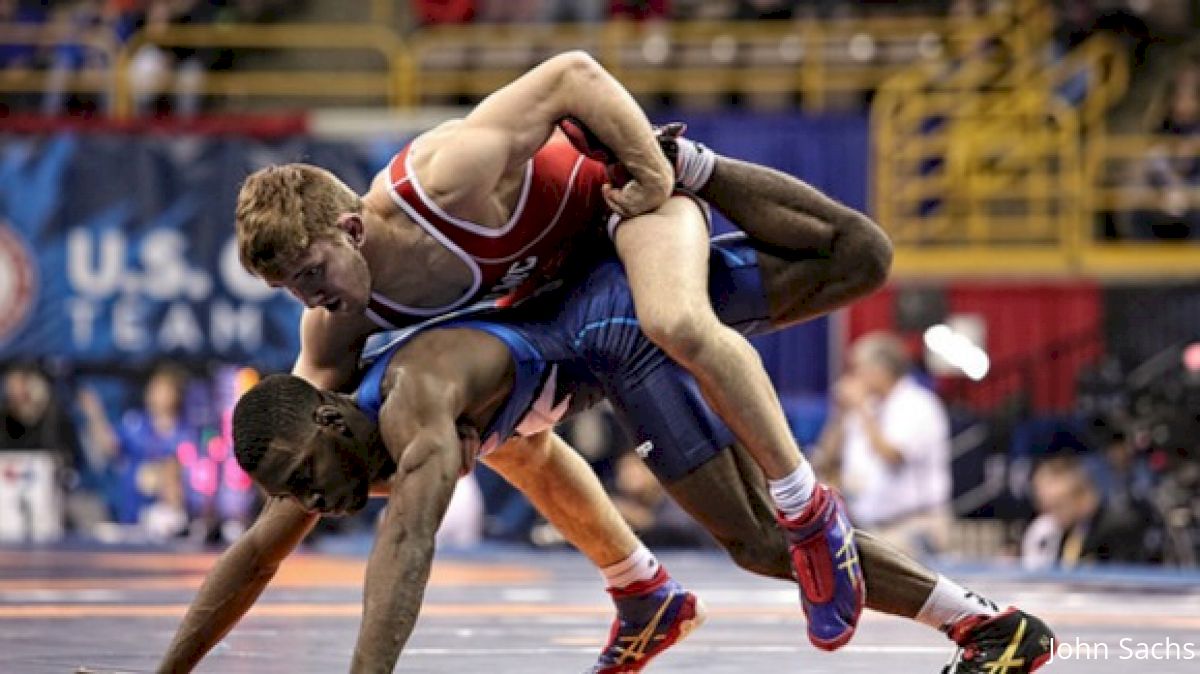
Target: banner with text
{"points": [[120, 248]]}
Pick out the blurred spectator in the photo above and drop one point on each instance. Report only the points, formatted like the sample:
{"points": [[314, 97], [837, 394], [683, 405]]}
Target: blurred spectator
{"points": [[508, 11], [32, 418], [125, 17], [17, 56], [1077, 525], [438, 12], [703, 10], [1121, 473], [579, 11], [1074, 22], [763, 10], [147, 484], [639, 10], [643, 502], [84, 22], [35, 420], [887, 442], [597, 435], [1173, 166], [154, 69]]}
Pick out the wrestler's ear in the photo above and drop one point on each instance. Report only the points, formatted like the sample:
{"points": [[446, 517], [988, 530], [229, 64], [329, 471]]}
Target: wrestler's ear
{"points": [[352, 225], [329, 415]]}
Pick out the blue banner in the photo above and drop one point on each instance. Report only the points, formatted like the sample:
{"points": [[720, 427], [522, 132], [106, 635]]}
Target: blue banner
{"points": [[120, 248]]}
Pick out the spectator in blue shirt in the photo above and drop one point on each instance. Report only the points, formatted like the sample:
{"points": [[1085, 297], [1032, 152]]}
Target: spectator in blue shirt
{"points": [[147, 479]]}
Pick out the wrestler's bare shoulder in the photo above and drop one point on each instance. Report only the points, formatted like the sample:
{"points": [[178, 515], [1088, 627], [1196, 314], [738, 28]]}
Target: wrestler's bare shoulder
{"points": [[425, 144]]}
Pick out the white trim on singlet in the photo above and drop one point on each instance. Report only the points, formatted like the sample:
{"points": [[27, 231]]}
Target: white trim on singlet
{"points": [[474, 228], [541, 415], [465, 312], [562, 205], [476, 273]]}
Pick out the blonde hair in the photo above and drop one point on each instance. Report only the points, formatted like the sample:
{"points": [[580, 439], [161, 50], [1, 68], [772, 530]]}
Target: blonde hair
{"points": [[282, 210]]}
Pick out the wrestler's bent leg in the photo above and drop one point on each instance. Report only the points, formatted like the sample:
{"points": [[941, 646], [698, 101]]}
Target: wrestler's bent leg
{"points": [[666, 260], [835, 254], [728, 496], [653, 611], [563, 488]]}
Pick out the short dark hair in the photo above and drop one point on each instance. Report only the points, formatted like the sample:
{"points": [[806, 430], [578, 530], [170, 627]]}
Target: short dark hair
{"points": [[278, 407], [1065, 465]]}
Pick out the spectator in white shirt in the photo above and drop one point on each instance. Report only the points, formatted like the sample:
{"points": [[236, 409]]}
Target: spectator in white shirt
{"points": [[887, 443]]}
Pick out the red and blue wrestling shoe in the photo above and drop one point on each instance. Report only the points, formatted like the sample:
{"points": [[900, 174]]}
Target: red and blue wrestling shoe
{"points": [[826, 564], [652, 616], [1013, 642]]}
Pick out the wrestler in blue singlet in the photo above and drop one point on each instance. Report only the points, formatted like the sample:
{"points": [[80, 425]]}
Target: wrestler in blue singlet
{"points": [[584, 343]]}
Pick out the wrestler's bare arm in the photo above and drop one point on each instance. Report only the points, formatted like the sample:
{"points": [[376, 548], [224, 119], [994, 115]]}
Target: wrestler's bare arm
{"points": [[330, 347], [245, 569], [461, 163], [329, 353], [437, 382], [327, 359], [236, 581]]}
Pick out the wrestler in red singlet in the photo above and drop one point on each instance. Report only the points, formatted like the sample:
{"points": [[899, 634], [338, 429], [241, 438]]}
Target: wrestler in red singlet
{"points": [[559, 207]]}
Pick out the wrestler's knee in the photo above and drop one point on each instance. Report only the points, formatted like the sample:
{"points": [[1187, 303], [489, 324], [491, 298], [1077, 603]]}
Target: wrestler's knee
{"points": [[682, 331], [865, 251]]}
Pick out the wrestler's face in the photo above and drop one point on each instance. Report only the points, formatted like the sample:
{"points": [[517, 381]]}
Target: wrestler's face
{"points": [[330, 470], [330, 274]]}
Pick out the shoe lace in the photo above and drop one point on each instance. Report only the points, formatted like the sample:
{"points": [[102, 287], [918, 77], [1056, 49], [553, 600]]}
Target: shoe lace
{"points": [[962, 654], [967, 651]]}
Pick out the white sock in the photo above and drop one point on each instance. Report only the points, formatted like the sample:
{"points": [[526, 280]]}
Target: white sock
{"points": [[950, 602], [639, 565], [694, 164], [792, 492]]}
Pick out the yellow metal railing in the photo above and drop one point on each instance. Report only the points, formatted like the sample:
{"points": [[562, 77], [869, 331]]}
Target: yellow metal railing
{"points": [[952, 137], [1103, 67], [392, 82], [996, 160], [812, 59], [1124, 198]]}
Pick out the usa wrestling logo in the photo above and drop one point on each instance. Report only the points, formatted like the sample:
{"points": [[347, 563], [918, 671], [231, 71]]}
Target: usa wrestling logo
{"points": [[18, 282]]}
